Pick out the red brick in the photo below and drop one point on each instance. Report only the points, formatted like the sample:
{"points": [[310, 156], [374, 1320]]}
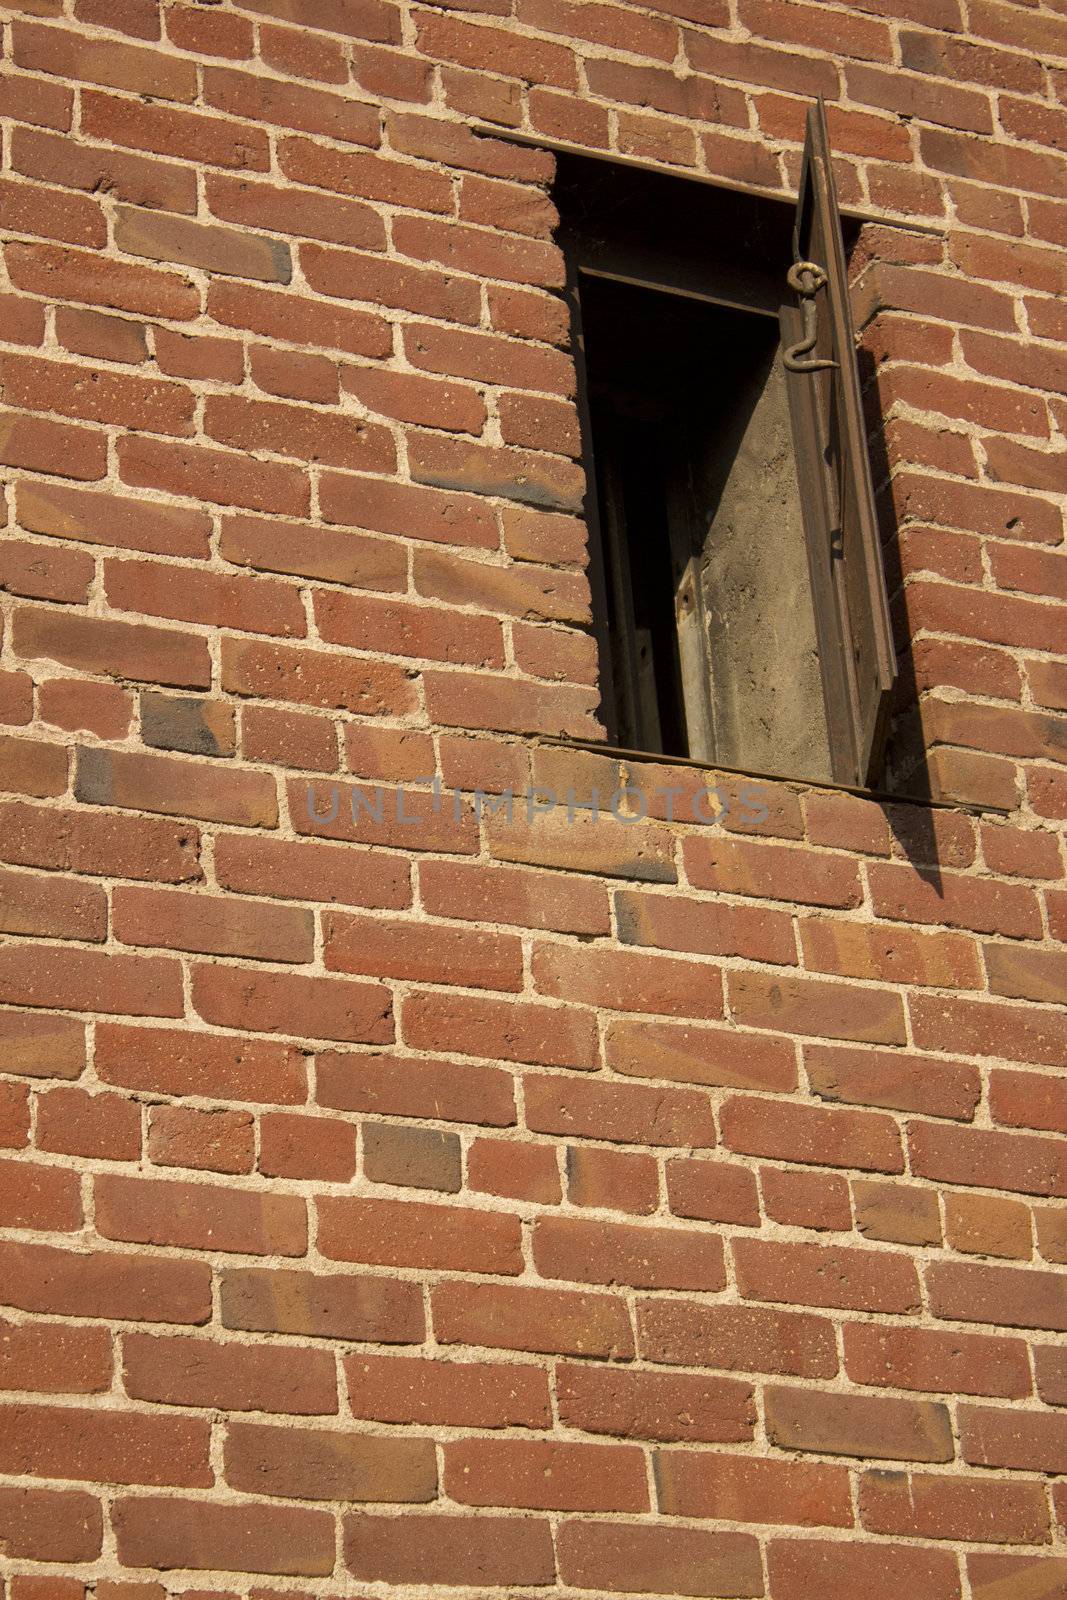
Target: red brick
{"points": [[894, 955], [803, 1567], [104, 1126], [76, 1442], [40, 1197], [369, 177], [168, 131], [654, 1405], [315, 677], [105, 1284], [335, 1305], [412, 1158], [611, 1253], [1026, 1164], [543, 1320], [217, 926], [119, 66], [38, 1046], [737, 1338], [96, 518], [307, 1147], [200, 1216], [662, 1559], [196, 1063], [514, 1171], [90, 980], [137, 179], [294, 376], [213, 1141], [918, 1358], [54, 1358], [221, 476], [83, 276], [29, 766], [962, 1509], [1050, 1366], [408, 1234], [509, 1029], [988, 1573], [858, 1425], [37, 100], [187, 355], [1015, 1297], [37, 212], [811, 1006], [410, 510], [713, 1191], [692, 1054], [478, 893], [288, 738], [978, 1224], [236, 1536], [40, 445], [1028, 1100], [806, 1133], [101, 845], [291, 105], [138, 782], [94, 333], [47, 905], [618, 1112], [904, 1213], [612, 1180], [627, 981], [209, 33], [735, 1488], [279, 1003], [120, 649], [421, 952], [1011, 1437], [487, 358], [308, 1464], [454, 1394], [899, 1081], [300, 55], [411, 398], [442, 1548], [826, 1275], [98, 396], [309, 870], [818, 1200], [14, 1115], [447, 1091], [545, 1475], [49, 1525]]}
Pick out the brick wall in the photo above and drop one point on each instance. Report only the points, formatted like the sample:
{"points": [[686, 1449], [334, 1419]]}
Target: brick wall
{"points": [[565, 1206]]}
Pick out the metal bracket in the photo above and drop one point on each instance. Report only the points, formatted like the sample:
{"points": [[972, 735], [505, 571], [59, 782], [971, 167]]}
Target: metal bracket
{"points": [[805, 278]]}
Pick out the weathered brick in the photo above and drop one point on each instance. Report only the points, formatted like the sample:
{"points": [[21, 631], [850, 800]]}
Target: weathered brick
{"points": [[240, 1536], [858, 1425], [316, 1464], [920, 1358], [410, 1234], [738, 1488], [660, 1559], [333, 1305], [654, 1405], [436, 1548]]}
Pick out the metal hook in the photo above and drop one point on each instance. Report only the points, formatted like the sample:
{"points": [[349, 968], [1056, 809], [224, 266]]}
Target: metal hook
{"points": [[806, 278]]}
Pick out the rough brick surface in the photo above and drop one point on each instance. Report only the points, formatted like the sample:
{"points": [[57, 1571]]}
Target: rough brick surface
{"points": [[399, 1195]]}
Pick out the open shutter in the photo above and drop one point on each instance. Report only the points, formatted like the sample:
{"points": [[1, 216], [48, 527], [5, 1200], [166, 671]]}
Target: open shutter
{"points": [[848, 581]]}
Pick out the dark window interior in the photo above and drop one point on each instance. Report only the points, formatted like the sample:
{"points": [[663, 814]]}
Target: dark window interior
{"points": [[702, 588]]}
